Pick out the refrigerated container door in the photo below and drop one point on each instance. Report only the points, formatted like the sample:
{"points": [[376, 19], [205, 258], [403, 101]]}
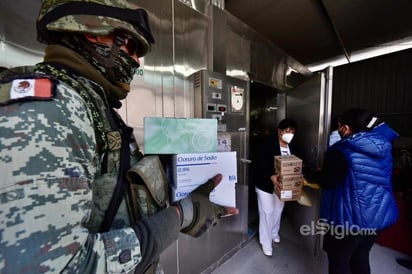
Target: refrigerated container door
{"points": [[310, 105]]}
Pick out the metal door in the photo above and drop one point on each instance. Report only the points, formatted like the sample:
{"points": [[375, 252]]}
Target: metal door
{"points": [[310, 105]]}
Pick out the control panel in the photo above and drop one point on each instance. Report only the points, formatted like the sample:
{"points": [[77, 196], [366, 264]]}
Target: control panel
{"points": [[223, 98]]}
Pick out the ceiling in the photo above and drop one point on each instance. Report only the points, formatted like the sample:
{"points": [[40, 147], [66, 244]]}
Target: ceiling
{"points": [[311, 31], [314, 31]]}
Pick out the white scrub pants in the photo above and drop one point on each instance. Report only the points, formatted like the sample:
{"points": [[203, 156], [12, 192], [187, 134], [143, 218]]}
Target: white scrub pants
{"points": [[270, 212]]}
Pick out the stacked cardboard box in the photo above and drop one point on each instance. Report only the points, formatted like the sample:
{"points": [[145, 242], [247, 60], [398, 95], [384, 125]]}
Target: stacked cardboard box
{"points": [[289, 169]]}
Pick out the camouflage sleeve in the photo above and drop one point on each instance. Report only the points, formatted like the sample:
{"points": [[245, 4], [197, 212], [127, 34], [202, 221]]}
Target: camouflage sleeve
{"points": [[47, 166]]}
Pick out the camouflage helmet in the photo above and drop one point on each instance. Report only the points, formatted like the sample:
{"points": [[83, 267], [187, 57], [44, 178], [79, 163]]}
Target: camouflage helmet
{"points": [[96, 17]]}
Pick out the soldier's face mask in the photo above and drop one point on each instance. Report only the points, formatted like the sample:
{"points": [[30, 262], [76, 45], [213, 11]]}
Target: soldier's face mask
{"points": [[120, 63], [127, 62], [125, 67]]}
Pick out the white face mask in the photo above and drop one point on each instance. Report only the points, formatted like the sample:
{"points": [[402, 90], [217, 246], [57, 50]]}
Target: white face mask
{"points": [[287, 137]]}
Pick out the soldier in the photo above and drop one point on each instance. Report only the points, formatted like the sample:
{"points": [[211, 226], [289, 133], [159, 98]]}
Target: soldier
{"points": [[74, 196]]}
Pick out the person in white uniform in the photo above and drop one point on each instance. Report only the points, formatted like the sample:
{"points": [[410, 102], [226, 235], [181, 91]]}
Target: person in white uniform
{"points": [[269, 205]]}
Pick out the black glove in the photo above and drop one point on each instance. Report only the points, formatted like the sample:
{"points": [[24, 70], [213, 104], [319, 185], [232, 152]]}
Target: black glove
{"points": [[197, 212]]}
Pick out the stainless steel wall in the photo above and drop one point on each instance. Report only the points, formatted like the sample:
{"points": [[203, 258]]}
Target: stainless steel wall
{"points": [[190, 35], [239, 51], [181, 35]]}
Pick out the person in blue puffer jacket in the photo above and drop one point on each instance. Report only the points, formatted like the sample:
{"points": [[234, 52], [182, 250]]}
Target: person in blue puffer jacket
{"points": [[357, 196]]}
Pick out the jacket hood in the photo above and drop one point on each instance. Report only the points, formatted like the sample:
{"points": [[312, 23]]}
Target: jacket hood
{"points": [[375, 143], [386, 132]]}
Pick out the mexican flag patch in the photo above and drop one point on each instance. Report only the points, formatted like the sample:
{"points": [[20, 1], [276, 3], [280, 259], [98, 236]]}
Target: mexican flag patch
{"points": [[26, 90], [40, 88]]}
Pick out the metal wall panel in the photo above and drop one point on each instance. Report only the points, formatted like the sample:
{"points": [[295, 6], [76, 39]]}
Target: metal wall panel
{"points": [[190, 54], [192, 35], [382, 85], [152, 91], [238, 58], [189, 39], [218, 40], [239, 51], [181, 35]]}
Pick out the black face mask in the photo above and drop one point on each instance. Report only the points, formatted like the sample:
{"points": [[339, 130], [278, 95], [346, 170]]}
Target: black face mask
{"points": [[123, 69], [118, 69]]}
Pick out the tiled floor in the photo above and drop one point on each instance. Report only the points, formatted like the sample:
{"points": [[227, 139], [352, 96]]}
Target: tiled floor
{"points": [[291, 257]]}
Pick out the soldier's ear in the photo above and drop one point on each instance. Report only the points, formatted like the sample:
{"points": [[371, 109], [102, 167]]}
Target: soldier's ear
{"points": [[91, 38]]}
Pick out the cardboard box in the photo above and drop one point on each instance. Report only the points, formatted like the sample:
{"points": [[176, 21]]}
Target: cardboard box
{"points": [[288, 195], [289, 187], [291, 181], [288, 164], [193, 169], [163, 135]]}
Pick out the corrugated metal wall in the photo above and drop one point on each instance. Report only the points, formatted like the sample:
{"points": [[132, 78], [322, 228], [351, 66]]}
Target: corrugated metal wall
{"points": [[382, 85]]}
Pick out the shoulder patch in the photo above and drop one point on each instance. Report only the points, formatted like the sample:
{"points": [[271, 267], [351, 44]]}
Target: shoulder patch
{"points": [[26, 90]]}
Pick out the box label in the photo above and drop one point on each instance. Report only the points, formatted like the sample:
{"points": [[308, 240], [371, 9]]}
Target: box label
{"points": [[194, 169], [286, 194]]}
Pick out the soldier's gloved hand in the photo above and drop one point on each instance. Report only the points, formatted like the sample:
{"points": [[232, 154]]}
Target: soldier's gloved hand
{"points": [[197, 213]]}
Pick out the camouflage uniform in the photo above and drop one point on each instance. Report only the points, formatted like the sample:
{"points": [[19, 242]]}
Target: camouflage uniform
{"points": [[60, 157], [53, 193]]}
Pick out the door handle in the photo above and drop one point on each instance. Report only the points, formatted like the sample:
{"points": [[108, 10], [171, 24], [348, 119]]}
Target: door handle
{"points": [[246, 161]]}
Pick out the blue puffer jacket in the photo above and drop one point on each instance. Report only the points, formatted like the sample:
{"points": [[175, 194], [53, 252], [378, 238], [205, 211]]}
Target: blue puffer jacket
{"points": [[364, 197]]}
